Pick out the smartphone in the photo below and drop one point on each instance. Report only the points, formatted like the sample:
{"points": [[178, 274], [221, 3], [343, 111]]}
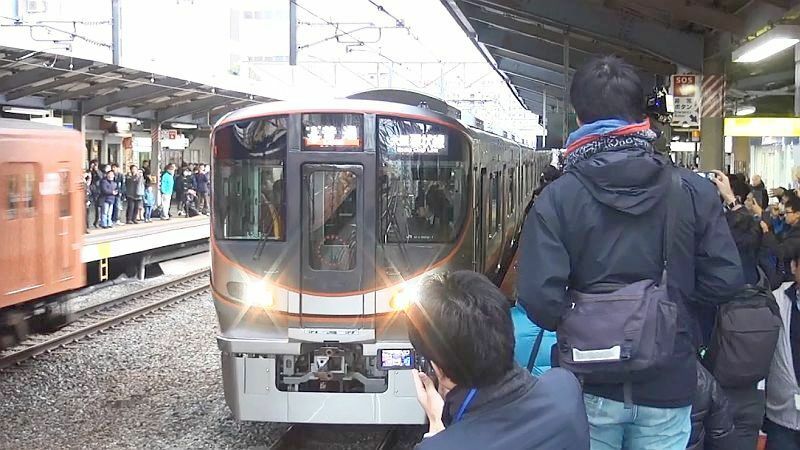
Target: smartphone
{"points": [[397, 359], [710, 176]]}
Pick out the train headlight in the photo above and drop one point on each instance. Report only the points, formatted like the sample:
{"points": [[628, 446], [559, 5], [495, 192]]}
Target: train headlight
{"points": [[407, 294], [258, 294], [254, 293]]}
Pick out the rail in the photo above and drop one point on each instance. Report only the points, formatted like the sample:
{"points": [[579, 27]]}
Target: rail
{"points": [[96, 318]]}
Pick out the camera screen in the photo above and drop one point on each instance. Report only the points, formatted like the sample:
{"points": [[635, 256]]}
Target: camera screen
{"points": [[397, 359]]}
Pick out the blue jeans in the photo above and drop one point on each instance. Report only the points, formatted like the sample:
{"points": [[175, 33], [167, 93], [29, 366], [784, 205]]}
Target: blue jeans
{"points": [[105, 219], [612, 427], [148, 211]]}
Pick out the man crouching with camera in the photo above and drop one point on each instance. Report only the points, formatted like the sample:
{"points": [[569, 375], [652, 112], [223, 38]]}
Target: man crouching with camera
{"points": [[462, 325]]}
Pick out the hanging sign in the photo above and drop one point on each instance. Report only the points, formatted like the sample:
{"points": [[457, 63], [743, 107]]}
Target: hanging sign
{"points": [[687, 94]]}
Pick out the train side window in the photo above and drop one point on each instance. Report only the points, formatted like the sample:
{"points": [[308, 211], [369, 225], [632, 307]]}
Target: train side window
{"points": [[12, 185], [28, 193], [64, 194], [512, 193], [494, 207]]}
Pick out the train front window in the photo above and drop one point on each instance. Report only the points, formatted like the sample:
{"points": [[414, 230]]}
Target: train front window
{"points": [[332, 203], [250, 200], [423, 182]]}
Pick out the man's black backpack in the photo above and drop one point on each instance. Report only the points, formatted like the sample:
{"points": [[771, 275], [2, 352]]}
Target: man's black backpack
{"points": [[744, 338]]}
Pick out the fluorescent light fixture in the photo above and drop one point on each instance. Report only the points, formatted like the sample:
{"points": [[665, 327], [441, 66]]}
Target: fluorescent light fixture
{"points": [[121, 119], [745, 110], [780, 37], [183, 126], [27, 111]]}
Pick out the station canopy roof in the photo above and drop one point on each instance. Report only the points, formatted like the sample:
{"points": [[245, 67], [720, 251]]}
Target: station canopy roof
{"points": [[36, 79], [525, 40]]}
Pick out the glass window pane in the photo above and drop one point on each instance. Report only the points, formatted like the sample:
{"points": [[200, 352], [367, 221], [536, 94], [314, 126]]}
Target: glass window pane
{"points": [[13, 194], [422, 181], [249, 173], [27, 195], [333, 228], [63, 194], [338, 132]]}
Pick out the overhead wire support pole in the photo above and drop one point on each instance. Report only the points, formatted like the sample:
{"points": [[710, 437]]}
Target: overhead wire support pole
{"points": [[292, 33], [115, 35]]}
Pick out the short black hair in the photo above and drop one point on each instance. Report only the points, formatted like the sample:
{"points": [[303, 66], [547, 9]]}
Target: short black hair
{"points": [[462, 322], [739, 185], [607, 88], [793, 202]]}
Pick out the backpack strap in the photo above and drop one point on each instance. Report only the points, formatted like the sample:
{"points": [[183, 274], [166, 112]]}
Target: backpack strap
{"points": [[671, 216], [535, 350]]}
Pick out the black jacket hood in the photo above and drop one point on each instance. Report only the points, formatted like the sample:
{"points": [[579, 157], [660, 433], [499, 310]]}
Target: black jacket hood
{"points": [[631, 181]]}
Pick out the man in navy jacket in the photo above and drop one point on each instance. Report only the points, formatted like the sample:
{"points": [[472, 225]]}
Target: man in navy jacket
{"points": [[461, 324], [602, 223]]}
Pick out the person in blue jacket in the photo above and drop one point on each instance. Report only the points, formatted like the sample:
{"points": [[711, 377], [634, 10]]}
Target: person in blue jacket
{"points": [[484, 400], [167, 186], [532, 346]]}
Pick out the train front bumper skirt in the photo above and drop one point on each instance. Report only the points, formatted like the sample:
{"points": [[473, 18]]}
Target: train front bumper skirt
{"points": [[252, 394]]}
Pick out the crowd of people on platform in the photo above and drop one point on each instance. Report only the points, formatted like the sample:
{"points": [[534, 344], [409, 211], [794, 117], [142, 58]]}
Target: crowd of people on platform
{"points": [[114, 194], [655, 307]]}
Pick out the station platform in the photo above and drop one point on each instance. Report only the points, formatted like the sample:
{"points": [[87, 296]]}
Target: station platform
{"points": [[131, 239]]}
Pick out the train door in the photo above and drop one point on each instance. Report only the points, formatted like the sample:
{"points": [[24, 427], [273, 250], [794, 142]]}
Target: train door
{"points": [[21, 237], [338, 243]]}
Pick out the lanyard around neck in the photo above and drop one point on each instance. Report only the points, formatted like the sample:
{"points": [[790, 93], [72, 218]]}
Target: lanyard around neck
{"points": [[465, 404]]}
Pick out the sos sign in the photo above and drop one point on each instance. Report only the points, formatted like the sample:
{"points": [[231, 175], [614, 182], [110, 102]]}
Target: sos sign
{"points": [[684, 85]]}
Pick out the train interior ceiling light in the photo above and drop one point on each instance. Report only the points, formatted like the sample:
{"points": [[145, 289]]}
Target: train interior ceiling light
{"points": [[778, 38], [745, 110], [27, 111]]}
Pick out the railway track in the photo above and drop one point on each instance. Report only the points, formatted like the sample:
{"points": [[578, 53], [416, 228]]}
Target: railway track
{"points": [[295, 437], [98, 318]]}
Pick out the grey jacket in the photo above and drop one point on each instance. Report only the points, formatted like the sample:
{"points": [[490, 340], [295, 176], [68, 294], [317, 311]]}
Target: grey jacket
{"points": [[134, 187], [781, 382]]}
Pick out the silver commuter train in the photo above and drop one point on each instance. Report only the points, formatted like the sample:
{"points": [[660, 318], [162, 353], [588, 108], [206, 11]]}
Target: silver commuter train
{"points": [[325, 217]]}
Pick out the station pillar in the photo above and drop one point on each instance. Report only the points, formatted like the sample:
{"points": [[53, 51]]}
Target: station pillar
{"points": [[155, 158], [712, 140]]}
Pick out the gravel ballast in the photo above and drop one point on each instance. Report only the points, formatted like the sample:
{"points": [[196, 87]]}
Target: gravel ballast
{"points": [[155, 383]]}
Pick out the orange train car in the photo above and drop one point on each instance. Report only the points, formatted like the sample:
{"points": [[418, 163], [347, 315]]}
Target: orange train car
{"points": [[43, 214]]}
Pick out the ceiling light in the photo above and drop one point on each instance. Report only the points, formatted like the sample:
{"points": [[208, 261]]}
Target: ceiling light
{"points": [[745, 110], [780, 37], [27, 111], [676, 138], [184, 126], [121, 119]]}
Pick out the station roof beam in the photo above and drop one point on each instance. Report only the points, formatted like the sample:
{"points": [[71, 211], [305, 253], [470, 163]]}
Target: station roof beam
{"points": [[610, 26], [125, 96], [191, 107], [524, 25]]}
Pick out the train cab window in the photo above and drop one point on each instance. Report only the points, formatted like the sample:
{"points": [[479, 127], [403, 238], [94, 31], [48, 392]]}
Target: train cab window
{"points": [[333, 132], [333, 226], [422, 181], [63, 194], [249, 175]]}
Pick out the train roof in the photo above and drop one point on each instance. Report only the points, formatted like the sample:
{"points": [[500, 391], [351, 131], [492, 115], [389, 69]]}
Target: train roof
{"points": [[17, 124], [338, 106]]}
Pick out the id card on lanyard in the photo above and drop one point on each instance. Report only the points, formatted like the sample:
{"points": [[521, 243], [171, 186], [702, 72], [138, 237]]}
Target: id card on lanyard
{"points": [[465, 404]]}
